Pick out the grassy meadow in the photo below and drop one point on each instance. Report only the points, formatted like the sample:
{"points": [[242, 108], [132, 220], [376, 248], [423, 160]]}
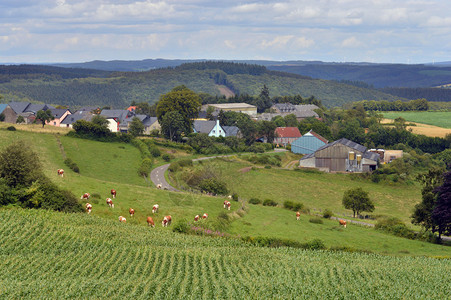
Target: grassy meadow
{"points": [[436, 118], [104, 166], [52, 255]]}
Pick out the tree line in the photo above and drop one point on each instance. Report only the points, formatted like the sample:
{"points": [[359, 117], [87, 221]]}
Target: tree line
{"points": [[398, 105]]}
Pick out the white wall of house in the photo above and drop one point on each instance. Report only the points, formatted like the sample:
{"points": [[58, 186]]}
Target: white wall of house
{"points": [[112, 125], [217, 131]]}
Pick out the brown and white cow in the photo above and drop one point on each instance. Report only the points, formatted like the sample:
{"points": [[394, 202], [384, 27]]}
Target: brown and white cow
{"points": [[131, 211], [205, 216], [88, 207], [298, 215], [227, 204], [85, 196], [110, 202], [229, 197], [196, 218], [159, 186], [113, 193], [150, 222], [60, 172], [342, 222], [155, 208], [166, 221], [122, 219]]}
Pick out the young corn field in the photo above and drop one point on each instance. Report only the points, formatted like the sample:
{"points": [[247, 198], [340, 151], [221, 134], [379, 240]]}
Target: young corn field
{"points": [[52, 255]]}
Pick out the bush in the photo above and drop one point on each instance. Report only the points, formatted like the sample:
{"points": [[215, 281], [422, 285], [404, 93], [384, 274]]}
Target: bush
{"points": [[11, 128], [174, 167], [257, 148], [155, 151], [327, 214], [213, 185], [235, 197], [166, 157], [181, 226], [255, 201], [269, 202], [316, 244], [316, 220], [142, 147], [146, 166], [72, 165], [293, 206], [185, 162]]}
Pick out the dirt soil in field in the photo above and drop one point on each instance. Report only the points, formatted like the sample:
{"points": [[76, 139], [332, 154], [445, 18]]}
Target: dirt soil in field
{"points": [[244, 170], [225, 91], [428, 130]]}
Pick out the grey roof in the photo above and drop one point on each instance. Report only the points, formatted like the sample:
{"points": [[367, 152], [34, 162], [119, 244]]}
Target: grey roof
{"points": [[308, 155], [302, 107], [88, 108], [19, 107], [305, 114], [79, 115], [120, 115], [204, 126], [285, 107], [37, 107], [2, 107], [353, 145], [231, 130], [58, 112], [149, 121]]}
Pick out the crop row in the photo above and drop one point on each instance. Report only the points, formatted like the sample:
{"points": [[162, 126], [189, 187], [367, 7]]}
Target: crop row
{"points": [[50, 255]]}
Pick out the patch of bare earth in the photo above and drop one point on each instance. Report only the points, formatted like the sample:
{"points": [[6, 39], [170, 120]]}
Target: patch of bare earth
{"points": [[225, 91], [244, 170], [425, 129]]}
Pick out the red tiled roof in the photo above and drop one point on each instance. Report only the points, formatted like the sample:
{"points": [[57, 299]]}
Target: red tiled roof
{"points": [[318, 136], [292, 132]]}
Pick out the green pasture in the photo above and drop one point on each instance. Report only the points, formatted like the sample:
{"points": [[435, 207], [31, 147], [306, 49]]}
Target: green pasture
{"points": [[49, 255], [436, 118]]}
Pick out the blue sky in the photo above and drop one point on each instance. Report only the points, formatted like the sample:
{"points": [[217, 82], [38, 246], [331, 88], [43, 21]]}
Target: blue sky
{"points": [[390, 31]]}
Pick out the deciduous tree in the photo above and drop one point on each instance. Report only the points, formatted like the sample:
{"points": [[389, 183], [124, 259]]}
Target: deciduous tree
{"points": [[44, 116], [357, 200], [136, 127], [173, 125], [441, 215]]}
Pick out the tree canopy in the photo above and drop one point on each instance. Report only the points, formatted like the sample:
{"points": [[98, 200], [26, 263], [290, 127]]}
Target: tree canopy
{"points": [[357, 200], [44, 116], [441, 215], [136, 127]]}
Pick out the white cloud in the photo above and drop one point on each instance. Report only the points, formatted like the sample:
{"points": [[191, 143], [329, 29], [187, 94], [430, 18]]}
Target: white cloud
{"points": [[351, 42]]}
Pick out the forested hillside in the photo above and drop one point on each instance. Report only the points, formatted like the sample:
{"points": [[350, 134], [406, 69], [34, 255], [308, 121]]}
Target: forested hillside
{"points": [[78, 87]]}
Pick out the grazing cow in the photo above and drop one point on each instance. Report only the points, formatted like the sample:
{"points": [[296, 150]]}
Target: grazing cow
{"points": [[166, 221], [122, 219], [85, 196], [196, 218], [227, 204], [131, 211], [61, 172], [204, 216], [155, 208], [159, 186], [110, 202], [150, 222], [342, 222], [88, 207], [113, 193], [298, 215], [229, 197]]}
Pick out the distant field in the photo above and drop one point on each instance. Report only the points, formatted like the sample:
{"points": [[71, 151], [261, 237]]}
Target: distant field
{"points": [[440, 119]]}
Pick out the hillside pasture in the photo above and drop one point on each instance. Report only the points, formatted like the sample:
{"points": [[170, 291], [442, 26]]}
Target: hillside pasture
{"points": [[435, 118], [50, 255]]}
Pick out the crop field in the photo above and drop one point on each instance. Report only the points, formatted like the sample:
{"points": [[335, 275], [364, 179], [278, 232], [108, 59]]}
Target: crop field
{"points": [[51, 255], [439, 119]]}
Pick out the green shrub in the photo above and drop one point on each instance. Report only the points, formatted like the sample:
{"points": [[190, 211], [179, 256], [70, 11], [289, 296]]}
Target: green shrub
{"points": [[166, 157], [316, 244], [316, 220], [267, 167], [11, 128], [146, 166], [181, 226], [235, 197], [327, 214], [293, 206], [174, 167], [255, 201], [155, 151], [213, 185], [185, 162], [72, 165], [269, 202]]}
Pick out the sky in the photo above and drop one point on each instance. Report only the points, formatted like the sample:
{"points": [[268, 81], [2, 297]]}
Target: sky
{"points": [[380, 31]]}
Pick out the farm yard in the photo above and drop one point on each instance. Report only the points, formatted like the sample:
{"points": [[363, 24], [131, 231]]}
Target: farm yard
{"points": [[54, 255]]}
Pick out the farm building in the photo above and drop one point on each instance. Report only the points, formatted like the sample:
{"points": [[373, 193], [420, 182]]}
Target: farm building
{"points": [[342, 155], [386, 156], [58, 116], [212, 128], [286, 135], [237, 107], [25, 109], [69, 120], [308, 143]]}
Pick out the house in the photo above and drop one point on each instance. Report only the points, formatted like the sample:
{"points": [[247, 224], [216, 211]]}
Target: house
{"points": [[342, 155], [212, 128], [237, 107], [59, 115], [308, 143], [25, 109], [386, 156], [150, 123], [286, 135], [117, 119], [284, 109], [70, 119], [2, 108], [232, 131]]}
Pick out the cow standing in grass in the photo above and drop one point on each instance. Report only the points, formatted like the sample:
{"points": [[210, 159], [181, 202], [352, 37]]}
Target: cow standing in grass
{"points": [[122, 219], [204, 216], [85, 196], [113, 193], [155, 208], [110, 202], [150, 222], [196, 218], [61, 173], [298, 215], [227, 204], [88, 207], [166, 221], [342, 222], [131, 211]]}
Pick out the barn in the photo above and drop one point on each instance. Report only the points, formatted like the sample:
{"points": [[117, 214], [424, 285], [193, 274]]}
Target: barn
{"points": [[342, 155], [308, 143]]}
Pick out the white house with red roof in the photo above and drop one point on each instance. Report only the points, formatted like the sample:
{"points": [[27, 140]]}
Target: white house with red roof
{"points": [[286, 135]]}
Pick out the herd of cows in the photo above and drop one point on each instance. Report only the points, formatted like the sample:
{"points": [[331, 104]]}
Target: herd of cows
{"points": [[167, 219]]}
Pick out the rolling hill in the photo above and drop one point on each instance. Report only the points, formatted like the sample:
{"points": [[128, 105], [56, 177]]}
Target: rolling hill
{"points": [[80, 87]]}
